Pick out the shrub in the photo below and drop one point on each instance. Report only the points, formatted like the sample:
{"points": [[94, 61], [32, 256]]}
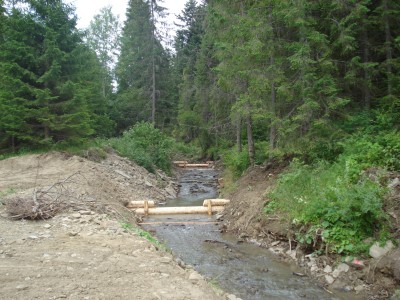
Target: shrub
{"points": [[236, 161], [147, 146], [331, 200]]}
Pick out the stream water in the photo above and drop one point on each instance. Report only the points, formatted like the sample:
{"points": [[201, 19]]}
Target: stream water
{"points": [[243, 269]]}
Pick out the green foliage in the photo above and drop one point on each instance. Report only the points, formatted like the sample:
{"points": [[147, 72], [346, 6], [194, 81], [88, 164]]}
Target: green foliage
{"points": [[375, 150], [147, 235], [147, 146], [236, 161], [334, 201], [270, 207]]}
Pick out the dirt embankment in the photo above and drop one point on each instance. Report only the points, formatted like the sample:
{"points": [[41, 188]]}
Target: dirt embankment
{"points": [[84, 252], [372, 278]]}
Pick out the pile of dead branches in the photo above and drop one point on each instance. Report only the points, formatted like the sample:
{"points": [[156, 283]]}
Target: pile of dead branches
{"points": [[42, 203]]}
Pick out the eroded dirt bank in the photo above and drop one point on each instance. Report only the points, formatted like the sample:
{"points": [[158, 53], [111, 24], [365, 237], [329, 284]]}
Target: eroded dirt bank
{"points": [[84, 252], [374, 279]]}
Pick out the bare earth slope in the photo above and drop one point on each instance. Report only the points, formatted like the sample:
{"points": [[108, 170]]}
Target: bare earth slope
{"points": [[84, 253]]}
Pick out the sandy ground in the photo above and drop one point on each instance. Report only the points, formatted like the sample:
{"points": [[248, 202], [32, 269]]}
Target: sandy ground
{"points": [[85, 252]]}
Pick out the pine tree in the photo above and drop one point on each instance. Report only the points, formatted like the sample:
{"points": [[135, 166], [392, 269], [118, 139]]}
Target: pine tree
{"points": [[143, 67]]}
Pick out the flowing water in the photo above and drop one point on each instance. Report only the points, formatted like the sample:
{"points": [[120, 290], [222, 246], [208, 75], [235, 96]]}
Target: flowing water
{"points": [[243, 269]]}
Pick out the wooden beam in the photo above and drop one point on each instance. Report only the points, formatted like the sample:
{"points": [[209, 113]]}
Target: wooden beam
{"points": [[178, 210], [216, 202], [140, 204]]}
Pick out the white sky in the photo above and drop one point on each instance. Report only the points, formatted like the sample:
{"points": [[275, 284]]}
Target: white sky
{"points": [[86, 9]]}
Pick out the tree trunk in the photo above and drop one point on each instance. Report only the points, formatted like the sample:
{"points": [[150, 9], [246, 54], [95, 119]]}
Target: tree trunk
{"points": [[389, 54], [367, 77], [250, 140], [153, 67], [272, 129], [239, 134], [13, 143]]}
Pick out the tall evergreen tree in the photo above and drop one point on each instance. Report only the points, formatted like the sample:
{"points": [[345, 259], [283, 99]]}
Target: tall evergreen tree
{"points": [[143, 67]]}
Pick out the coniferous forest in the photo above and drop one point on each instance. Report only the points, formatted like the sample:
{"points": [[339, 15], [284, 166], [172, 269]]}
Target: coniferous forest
{"points": [[252, 82]]}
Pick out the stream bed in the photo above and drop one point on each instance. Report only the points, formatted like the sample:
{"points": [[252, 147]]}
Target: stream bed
{"points": [[240, 268]]}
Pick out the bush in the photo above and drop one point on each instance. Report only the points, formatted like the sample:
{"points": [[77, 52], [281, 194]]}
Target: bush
{"points": [[236, 162], [333, 202], [147, 146]]}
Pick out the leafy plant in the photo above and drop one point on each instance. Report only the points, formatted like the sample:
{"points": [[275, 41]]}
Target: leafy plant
{"points": [[332, 200], [146, 145]]}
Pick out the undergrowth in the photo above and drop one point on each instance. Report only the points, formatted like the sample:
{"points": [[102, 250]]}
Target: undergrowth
{"points": [[143, 233], [332, 205]]}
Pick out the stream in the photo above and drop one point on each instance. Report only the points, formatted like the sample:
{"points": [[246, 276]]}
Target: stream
{"points": [[240, 268]]}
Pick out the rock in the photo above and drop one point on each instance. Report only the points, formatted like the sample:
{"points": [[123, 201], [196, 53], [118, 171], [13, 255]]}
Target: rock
{"points": [[343, 267], [195, 277], [314, 268], [47, 226], [76, 215], [336, 273], [22, 287], [123, 174], [85, 212], [148, 184], [275, 243], [329, 279], [219, 217], [359, 288], [377, 251], [165, 260], [292, 254], [394, 183], [33, 237], [328, 269], [232, 297]]}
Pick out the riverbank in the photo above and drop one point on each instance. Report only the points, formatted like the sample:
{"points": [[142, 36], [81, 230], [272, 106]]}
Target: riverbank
{"points": [[365, 276], [87, 250]]}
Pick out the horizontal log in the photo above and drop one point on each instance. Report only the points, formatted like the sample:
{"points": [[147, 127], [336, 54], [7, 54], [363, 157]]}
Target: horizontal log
{"points": [[139, 204], [216, 202], [194, 165], [178, 223], [178, 210], [177, 162]]}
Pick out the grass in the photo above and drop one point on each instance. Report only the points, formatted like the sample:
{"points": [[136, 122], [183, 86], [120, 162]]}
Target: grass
{"points": [[145, 234]]}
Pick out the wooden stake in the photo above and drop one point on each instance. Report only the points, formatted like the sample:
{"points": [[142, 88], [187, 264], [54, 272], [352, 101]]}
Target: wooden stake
{"points": [[146, 207], [209, 208]]}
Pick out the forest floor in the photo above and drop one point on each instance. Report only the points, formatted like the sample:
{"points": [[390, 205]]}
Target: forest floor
{"points": [[373, 279], [87, 251]]}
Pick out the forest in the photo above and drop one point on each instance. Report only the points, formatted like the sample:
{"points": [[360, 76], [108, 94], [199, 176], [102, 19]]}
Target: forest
{"points": [[251, 82]]}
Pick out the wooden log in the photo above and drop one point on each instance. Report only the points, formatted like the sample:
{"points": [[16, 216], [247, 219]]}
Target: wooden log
{"points": [[178, 210], [178, 162], [178, 223], [197, 166], [216, 202], [140, 204]]}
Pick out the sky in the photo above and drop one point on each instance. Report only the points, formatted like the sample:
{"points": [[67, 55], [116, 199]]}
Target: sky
{"points": [[86, 9]]}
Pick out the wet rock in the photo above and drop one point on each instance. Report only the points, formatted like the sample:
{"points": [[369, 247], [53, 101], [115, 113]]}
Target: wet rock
{"points": [[329, 279], [376, 251]]}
